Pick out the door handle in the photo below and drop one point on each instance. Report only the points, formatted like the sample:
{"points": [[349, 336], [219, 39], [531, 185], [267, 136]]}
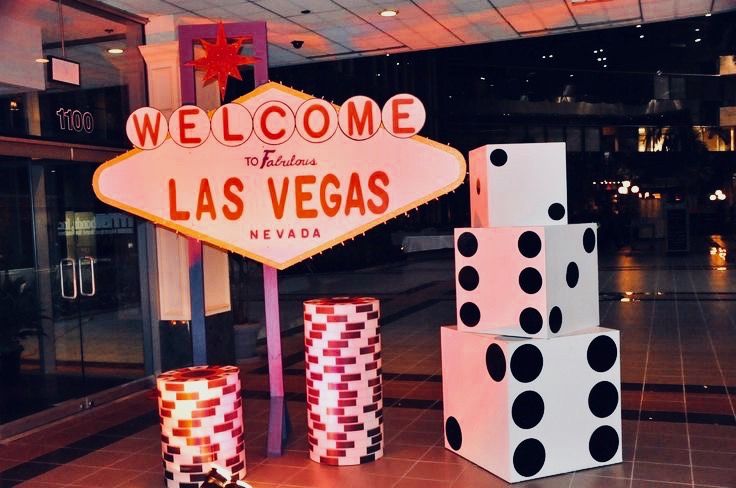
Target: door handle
{"points": [[66, 262], [93, 288]]}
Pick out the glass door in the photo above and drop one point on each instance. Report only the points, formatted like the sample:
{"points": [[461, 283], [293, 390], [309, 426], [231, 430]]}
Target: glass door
{"points": [[96, 302]]}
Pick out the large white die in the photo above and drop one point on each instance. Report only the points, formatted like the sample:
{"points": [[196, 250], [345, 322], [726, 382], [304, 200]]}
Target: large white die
{"points": [[528, 408], [527, 281], [518, 184]]}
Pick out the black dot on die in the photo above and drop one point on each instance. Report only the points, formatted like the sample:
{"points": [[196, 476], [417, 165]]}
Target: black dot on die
{"points": [[603, 444], [531, 320], [495, 362], [555, 319], [529, 457], [530, 280], [528, 409], [556, 211], [603, 399], [467, 244], [453, 433], [602, 353], [470, 314], [572, 275], [468, 278], [529, 244], [499, 157], [526, 363], [589, 240]]}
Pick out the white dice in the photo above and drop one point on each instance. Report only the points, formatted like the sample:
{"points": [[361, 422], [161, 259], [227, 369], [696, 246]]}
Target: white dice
{"points": [[518, 185], [527, 408], [527, 281]]}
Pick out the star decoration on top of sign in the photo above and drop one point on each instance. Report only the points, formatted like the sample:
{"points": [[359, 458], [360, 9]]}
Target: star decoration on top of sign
{"points": [[222, 59]]}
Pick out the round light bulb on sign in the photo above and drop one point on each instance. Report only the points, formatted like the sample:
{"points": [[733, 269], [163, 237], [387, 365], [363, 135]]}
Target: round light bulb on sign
{"points": [[146, 128], [273, 122], [359, 118], [232, 124], [623, 190], [403, 115], [721, 196], [712, 197], [189, 126], [635, 189], [316, 120]]}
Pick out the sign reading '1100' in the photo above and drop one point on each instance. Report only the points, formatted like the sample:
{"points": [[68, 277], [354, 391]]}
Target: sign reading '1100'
{"points": [[277, 175]]}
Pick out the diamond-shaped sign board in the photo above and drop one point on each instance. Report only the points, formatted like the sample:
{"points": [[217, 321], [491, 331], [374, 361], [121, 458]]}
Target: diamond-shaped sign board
{"points": [[323, 175]]}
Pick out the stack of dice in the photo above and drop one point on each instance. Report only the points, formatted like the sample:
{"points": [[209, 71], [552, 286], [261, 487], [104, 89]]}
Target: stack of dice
{"points": [[531, 383], [343, 375], [201, 415]]}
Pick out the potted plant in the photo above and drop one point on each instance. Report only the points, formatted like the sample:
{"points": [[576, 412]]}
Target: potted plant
{"points": [[19, 318]]}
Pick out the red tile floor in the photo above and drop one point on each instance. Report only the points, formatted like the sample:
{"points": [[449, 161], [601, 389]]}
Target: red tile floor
{"points": [[678, 323]]}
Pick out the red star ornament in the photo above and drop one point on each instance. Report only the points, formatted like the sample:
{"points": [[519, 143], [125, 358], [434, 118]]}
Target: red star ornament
{"points": [[222, 59]]}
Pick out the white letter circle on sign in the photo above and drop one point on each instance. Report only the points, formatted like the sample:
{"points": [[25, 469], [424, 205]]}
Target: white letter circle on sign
{"points": [[232, 124], [273, 122], [316, 120], [147, 128], [403, 115], [189, 126], [360, 118]]}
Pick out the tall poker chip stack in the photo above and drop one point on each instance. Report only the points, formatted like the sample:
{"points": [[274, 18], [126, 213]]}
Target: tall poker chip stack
{"points": [[343, 375], [201, 416]]}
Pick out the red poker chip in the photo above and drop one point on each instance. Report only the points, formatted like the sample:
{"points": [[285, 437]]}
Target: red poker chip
{"points": [[364, 334], [340, 411], [357, 443], [341, 304], [342, 353], [342, 377], [364, 360], [358, 427], [342, 343], [357, 324], [346, 436], [209, 422], [347, 461], [343, 402], [346, 452]]}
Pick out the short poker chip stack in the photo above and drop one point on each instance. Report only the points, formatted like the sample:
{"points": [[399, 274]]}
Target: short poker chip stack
{"points": [[342, 343], [201, 416], [531, 383]]}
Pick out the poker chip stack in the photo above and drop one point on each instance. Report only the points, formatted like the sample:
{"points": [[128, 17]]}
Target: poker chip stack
{"points": [[201, 423], [343, 374]]}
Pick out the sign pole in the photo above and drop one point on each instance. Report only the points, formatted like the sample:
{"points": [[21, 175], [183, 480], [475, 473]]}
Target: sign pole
{"points": [[278, 416]]}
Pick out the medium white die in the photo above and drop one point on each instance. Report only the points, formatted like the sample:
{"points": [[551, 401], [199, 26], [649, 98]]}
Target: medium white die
{"points": [[528, 408], [527, 281], [518, 185]]}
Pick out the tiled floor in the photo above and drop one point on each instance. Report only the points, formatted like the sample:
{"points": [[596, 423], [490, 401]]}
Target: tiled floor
{"points": [[678, 323]]}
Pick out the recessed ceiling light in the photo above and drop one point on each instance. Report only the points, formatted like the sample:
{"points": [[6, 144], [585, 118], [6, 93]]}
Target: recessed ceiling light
{"points": [[708, 14], [544, 57], [42, 60], [389, 12], [572, 76], [604, 59], [551, 56], [595, 51], [697, 29], [115, 50], [605, 66], [698, 39], [641, 36], [638, 26], [599, 59], [483, 78]]}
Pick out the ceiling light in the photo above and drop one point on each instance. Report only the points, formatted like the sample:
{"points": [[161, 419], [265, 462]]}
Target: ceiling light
{"points": [[599, 59], [389, 12], [641, 36], [544, 57], [115, 50], [483, 78], [708, 14], [551, 56], [697, 29], [605, 59], [595, 51], [572, 76], [698, 39], [605, 66], [42, 60], [638, 26]]}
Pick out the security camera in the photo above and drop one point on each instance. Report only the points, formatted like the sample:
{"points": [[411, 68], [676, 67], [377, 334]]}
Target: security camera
{"points": [[297, 44]]}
